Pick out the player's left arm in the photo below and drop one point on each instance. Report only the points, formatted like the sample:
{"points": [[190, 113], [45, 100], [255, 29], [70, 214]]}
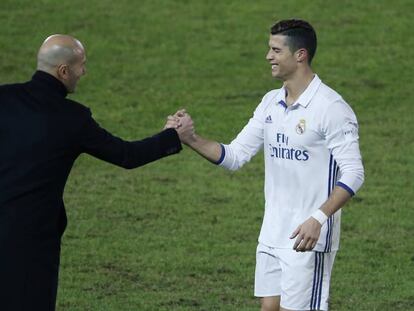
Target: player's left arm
{"points": [[340, 129], [307, 234]]}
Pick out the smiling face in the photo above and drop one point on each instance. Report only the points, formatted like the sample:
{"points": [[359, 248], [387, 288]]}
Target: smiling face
{"points": [[284, 62]]}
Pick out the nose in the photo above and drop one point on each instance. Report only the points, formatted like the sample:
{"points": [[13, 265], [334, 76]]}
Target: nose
{"points": [[269, 55]]}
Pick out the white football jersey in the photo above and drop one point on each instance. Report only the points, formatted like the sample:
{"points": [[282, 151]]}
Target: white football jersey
{"points": [[309, 147]]}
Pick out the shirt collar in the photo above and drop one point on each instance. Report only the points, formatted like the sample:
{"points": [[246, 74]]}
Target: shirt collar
{"points": [[50, 82], [281, 97], [305, 98]]}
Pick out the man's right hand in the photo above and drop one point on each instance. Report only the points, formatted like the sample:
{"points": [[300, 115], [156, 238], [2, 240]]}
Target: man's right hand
{"points": [[186, 130], [183, 124]]}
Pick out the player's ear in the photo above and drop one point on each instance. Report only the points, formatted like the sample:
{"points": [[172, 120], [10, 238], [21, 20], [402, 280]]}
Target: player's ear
{"points": [[301, 55]]}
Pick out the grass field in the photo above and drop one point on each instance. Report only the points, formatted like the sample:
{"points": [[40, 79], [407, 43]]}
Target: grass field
{"points": [[180, 234]]}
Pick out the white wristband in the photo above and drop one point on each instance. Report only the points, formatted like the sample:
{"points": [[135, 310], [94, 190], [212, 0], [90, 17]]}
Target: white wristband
{"points": [[320, 216]]}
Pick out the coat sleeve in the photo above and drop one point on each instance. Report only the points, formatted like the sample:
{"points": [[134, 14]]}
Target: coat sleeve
{"points": [[101, 144]]}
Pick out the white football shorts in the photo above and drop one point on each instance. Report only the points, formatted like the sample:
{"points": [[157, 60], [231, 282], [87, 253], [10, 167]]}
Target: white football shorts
{"points": [[301, 279]]}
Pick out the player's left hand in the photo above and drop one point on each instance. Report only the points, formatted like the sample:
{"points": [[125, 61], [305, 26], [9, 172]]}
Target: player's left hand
{"points": [[307, 235]]}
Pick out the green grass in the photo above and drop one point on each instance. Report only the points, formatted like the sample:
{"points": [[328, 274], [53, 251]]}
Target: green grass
{"points": [[181, 234]]}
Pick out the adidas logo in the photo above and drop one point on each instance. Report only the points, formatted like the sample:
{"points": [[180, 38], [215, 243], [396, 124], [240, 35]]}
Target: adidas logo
{"points": [[268, 119]]}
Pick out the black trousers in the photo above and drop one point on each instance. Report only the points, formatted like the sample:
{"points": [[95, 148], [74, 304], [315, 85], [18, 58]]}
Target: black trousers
{"points": [[29, 277]]}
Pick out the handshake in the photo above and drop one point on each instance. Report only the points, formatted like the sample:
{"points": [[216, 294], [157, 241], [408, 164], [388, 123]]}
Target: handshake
{"points": [[181, 121]]}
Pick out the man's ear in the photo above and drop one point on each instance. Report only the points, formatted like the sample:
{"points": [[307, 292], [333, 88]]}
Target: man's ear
{"points": [[301, 55], [63, 71]]}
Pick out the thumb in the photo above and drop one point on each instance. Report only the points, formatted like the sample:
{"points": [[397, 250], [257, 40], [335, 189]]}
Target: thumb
{"points": [[295, 233], [180, 113]]}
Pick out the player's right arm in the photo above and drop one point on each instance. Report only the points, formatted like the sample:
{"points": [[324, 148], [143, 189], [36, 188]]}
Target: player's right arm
{"points": [[209, 149], [234, 155]]}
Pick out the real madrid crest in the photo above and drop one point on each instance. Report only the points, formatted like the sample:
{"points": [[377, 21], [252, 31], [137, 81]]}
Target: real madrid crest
{"points": [[301, 127]]}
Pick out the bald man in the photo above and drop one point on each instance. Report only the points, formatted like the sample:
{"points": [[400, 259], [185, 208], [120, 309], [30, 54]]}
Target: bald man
{"points": [[41, 135]]}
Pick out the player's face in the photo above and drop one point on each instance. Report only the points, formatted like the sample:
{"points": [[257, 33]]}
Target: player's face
{"points": [[75, 71], [282, 60]]}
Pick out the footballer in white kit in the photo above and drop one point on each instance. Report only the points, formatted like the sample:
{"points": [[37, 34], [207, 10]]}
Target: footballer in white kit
{"points": [[312, 167]]}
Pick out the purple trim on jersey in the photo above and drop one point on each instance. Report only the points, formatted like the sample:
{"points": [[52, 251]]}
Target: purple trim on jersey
{"points": [[342, 185], [336, 174], [330, 176], [223, 154], [282, 102], [333, 171], [330, 223], [332, 217]]}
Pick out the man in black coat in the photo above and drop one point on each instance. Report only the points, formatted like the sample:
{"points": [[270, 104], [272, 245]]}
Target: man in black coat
{"points": [[41, 135]]}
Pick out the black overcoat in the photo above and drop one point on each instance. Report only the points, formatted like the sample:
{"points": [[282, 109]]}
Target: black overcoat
{"points": [[41, 135]]}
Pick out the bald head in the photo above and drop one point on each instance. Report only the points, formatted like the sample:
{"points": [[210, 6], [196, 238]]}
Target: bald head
{"points": [[57, 50], [63, 57]]}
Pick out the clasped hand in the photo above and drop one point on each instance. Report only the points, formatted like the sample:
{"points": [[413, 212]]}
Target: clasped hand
{"points": [[181, 121]]}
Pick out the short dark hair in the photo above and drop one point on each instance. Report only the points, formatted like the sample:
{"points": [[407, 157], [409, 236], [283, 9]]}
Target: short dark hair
{"points": [[300, 34]]}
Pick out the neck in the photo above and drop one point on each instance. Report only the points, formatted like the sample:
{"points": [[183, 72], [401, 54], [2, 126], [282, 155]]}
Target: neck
{"points": [[297, 84], [49, 71], [52, 72]]}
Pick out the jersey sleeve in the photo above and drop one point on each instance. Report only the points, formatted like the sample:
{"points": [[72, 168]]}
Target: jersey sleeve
{"points": [[340, 128], [247, 143]]}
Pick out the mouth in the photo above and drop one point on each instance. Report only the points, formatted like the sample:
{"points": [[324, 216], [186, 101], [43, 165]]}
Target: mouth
{"points": [[274, 66]]}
